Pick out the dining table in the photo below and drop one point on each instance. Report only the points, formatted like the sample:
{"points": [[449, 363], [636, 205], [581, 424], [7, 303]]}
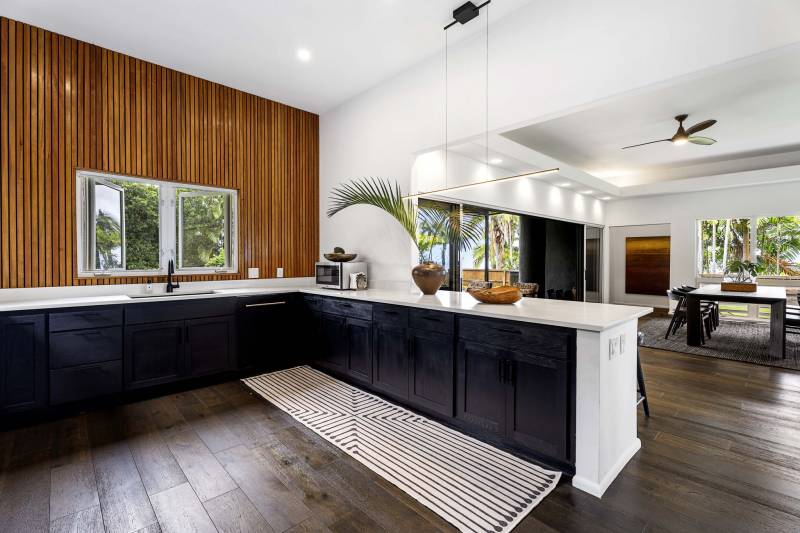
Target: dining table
{"points": [[775, 297]]}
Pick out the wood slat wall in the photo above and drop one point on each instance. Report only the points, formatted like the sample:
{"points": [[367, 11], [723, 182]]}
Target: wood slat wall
{"points": [[67, 105]]}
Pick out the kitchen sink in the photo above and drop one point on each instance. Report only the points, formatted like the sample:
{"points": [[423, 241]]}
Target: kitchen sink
{"points": [[168, 294]]}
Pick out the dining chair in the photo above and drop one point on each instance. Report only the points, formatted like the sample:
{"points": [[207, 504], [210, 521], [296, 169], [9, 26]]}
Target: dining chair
{"points": [[679, 316]]}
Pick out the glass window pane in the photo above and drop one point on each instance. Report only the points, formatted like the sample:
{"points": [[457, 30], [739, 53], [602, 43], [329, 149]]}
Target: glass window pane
{"points": [[778, 246], [142, 248], [503, 249], [432, 235], [107, 229], [722, 241], [472, 258], [202, 229]]}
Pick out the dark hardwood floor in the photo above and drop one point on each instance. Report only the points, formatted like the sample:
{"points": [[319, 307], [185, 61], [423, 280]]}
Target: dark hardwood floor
{"points": [[720, 453]]}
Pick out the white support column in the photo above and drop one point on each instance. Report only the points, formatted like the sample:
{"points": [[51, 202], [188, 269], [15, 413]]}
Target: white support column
{"points": [[605, 409]]}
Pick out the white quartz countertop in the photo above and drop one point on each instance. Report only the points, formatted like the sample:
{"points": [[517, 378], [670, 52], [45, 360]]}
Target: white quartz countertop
{"points": [[578, 315]]}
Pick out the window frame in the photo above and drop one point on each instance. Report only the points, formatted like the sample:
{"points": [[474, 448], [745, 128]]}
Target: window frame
{"points": [[167, 226], [229, 231], [709, 277]]}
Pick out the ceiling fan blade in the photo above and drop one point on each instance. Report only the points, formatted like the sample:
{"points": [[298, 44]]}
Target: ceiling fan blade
{"points": [[643, 144], [705, 141], [700, 126]]}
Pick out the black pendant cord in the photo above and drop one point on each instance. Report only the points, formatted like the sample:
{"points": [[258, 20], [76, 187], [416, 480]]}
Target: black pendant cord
{"points": [[486, 118]]}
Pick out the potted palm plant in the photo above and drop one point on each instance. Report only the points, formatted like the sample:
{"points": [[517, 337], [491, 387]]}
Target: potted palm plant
{"points": [[448, 225]]}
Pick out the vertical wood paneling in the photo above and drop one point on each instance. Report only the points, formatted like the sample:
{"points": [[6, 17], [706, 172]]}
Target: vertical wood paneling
{"points": [[67, 105]]}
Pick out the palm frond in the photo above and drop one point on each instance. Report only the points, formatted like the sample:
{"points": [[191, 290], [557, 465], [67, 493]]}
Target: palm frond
{"points": [[378, 193]]}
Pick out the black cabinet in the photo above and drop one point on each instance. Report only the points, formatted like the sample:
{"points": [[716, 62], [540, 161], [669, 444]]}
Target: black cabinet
{"points": [[481, 391], [154, 353], [209, 345], [431, 371], [267, 339], [539, 404], [346, 339], [192, 342], [23, 362], [522, 398], [333, 346], [390, 359], [359, 349]]}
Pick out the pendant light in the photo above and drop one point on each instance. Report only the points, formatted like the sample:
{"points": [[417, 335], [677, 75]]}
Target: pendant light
{"points": [[462, 15]]}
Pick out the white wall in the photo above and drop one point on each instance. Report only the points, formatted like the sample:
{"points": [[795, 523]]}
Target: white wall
{"points": [[545, 59], [681, 212], [617, 236]]}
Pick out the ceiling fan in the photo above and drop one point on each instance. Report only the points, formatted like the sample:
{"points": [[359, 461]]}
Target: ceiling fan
{"points": [[683, 136]]}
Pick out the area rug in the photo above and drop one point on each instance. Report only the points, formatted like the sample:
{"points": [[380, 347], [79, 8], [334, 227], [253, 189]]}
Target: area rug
{"points": [[471, 485], [736, 340]]}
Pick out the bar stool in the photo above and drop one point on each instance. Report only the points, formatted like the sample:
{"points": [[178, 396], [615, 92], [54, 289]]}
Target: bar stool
{"points": [[640, 377]]}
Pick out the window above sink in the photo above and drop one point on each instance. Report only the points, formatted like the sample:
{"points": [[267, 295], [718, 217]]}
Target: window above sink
{"points": [[133, 226]]}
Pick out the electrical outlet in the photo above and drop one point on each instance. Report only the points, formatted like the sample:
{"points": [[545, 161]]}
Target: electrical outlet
{"points": [[252, 273], [621, 343], [613, 347], [279, 273]]}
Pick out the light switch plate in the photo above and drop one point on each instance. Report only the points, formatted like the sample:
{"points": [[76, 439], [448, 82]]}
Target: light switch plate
{"points": [[252, 273], [279, 273], [613, 347]]}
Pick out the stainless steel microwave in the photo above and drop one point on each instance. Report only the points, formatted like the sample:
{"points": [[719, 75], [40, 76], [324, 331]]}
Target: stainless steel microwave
{"points": [[332, 275]]}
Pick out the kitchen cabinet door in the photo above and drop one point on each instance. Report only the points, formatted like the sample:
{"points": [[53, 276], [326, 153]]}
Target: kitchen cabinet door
{"points": [[390, 359], [154, 354], [359, 349], [209, 345], [431, 374], [333, 353], [23, 363], [481, 390], [539, 405]]}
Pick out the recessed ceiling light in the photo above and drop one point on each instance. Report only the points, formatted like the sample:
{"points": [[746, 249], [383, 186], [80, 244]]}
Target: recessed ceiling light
{"points": [[495, 161], [565, 184], [587, 191], [304, 55], [605, 198]]}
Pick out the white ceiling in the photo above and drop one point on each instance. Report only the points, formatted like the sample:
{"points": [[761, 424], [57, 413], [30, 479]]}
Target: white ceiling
{"points": [[756, 101], [252, 44]]}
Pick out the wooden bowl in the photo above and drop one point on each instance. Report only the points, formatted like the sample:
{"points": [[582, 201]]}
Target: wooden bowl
{"points": [[340, 258], [496, 295]]}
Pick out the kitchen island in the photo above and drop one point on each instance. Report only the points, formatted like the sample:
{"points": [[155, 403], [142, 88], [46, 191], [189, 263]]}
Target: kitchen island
{"points": [[554, 380]]}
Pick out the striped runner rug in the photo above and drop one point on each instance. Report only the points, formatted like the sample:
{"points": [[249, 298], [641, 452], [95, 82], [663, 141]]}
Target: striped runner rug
{"points": [[470, 484]]}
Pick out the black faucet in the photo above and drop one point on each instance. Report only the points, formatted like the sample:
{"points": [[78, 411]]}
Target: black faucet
{"points": [[170, 271]]}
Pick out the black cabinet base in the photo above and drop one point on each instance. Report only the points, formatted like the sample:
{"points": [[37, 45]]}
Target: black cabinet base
{"points": [[568, 469]]}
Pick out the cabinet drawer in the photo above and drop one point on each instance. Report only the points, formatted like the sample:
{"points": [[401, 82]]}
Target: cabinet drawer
{"points": [[349, 309], [166, 311], [390, 315], [542, 340], [85, 382], [92, 317], [71, 348], [431, 320]]}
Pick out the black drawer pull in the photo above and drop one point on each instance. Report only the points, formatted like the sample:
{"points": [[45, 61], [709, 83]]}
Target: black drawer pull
{"points": [[390, 312], [346, 305], [512, 331], [88, 333], [432, 318]]}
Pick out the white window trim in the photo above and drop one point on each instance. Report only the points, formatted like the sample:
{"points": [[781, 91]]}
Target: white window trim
{"points": [[166, 226], [708, 277]]}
